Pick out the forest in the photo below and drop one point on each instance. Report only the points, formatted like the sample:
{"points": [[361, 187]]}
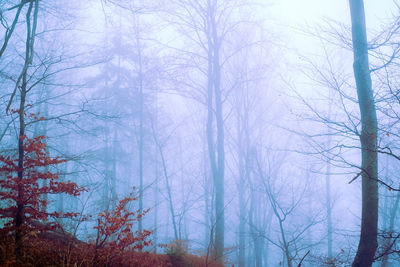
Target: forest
{"points": [[180, 133]]}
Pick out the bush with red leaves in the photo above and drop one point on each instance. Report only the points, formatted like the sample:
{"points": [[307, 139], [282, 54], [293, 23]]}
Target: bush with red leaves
{"points": [[115, 232], [23, 189]]}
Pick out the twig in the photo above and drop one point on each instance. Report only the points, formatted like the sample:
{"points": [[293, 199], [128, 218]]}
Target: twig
{"points": [[352, 180], [303, 259]]}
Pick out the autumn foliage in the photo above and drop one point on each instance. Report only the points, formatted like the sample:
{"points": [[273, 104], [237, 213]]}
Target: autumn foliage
{"points": [[49, 250], [44, 243], [23, 190], [117, 244], [115, 233], [36, 182]]}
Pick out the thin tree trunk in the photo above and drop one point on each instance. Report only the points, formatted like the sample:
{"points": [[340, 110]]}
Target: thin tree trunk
{"points": [[253, 218], [141, 134], [107, 172], [156, 200], [393, 213], [207, 204], [19, 217], [242, 219], [156, 174], [369, 166], [268, 222], [328, 204], [240, 187], [328, 187], [114, 169], [219, 178], [170, 201], [166, 176], [30, 38]]}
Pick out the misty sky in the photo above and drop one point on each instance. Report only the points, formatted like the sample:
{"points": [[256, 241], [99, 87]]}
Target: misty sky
{"points": [[267, 88]]}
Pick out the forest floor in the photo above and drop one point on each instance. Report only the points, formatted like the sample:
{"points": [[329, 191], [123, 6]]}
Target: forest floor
{"points": [[54, 249]]}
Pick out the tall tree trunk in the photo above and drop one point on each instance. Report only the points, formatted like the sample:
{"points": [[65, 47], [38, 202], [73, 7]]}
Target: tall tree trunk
{"points": [[114, 169], [160, 152], [242, 209], [156, 200], [19, 217], [107, 172], [369, 166], [328, 203], [141, 134], [219, 175], [244, 172], [267, 221], [393, 213], [156, 180], [170, 201], [254, 215], [207, 202], [31, 24], [328, 186]]}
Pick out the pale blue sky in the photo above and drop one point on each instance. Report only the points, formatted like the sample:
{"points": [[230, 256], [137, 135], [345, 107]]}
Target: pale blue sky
{"points": [[311, 11]]}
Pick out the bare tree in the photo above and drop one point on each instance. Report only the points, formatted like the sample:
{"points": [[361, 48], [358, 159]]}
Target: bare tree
{"points": [[205, 28], [371, 138], [369, 134], [167, 182], [284, 205], [22, 85]]}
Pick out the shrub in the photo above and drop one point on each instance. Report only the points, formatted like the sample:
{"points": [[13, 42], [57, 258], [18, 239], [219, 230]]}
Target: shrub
{"points": [[23, 191], [115, 232]]}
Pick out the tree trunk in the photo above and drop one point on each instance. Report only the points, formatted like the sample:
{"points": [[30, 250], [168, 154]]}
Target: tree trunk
{"points": [[19, 217], [219, 175], [23, 78], [156, 180], [141, 107], [114, 169], [170, 201], [328, 203], [369, 217], [216, 151], [107, 172], [243, 171], [242, 212], [393, 213]]}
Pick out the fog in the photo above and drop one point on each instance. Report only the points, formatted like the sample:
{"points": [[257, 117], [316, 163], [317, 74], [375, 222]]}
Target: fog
{"points": [[235, 125]]}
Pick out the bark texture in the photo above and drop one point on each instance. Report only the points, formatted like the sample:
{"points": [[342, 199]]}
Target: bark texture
{"points": [[369, 165]]}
